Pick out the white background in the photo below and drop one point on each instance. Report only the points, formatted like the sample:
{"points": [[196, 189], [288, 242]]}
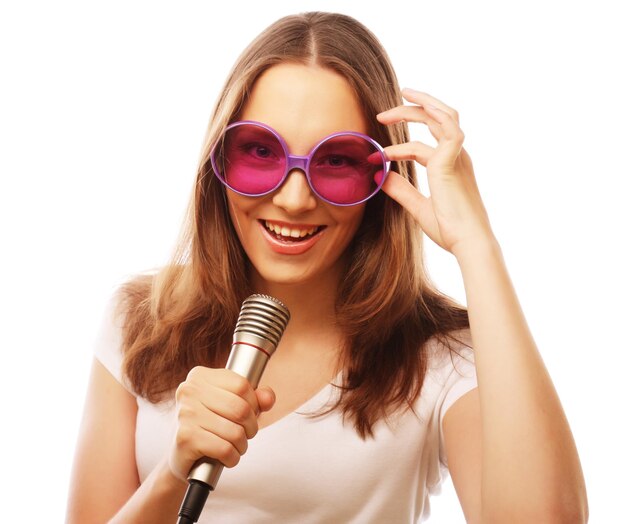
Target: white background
{"points": [[103, 108]]}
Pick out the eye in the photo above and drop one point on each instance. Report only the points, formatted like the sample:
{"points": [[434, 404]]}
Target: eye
{"points": [[262, 151], [336, 161], [257, 150]]}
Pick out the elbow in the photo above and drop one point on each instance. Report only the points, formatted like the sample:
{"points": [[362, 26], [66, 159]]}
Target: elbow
{"points": [[576, 510], [536, 518], [557, 504], [570, 514], [567, 516], [576, 515]]}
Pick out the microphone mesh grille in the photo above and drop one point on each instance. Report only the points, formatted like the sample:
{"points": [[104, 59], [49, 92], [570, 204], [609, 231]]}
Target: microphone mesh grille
{"points": [[263, 316]]}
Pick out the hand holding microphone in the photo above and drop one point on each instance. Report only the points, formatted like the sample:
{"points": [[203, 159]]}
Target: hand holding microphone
{"points": [[220, 436], [216, 413]]}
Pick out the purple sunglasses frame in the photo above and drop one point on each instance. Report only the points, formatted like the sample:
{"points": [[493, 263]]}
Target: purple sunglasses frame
{"points": [[301, 162]]}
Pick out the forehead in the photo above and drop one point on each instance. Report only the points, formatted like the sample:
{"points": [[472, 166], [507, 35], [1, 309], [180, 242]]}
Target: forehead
{"points": [[304, 104]]}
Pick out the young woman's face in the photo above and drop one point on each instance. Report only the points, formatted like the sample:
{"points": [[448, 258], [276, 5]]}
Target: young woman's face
{"points": [[290, 235]]}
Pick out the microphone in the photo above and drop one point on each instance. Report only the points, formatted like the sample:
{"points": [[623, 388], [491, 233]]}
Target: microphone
{"points": [[262, 321]]}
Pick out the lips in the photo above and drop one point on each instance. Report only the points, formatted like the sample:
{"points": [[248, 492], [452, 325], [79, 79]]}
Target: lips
{"points": [[290, 239], [294, 233]]}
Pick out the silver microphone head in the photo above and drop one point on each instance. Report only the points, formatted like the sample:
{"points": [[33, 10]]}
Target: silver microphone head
{"points": [[260, 326], [262, 321]]}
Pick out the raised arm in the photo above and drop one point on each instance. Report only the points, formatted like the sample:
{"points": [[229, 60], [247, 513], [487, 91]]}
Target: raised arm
{"points": [[509, 444], [511, 453]]}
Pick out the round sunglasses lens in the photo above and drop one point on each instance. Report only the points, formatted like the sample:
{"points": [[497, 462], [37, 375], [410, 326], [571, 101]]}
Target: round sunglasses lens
{"points": [[346, 169], [250, 159]]}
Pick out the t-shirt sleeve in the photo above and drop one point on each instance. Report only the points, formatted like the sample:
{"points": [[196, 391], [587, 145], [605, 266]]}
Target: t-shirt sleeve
{"points": [[460, 380], [108, 343]]}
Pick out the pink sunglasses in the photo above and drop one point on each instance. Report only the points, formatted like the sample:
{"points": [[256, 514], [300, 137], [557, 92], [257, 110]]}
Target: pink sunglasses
{"points": [[343, 169]]}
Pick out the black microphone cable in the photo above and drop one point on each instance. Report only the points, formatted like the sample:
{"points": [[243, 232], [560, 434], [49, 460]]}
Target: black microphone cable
{"points": [[193, 503], [261, 324]]}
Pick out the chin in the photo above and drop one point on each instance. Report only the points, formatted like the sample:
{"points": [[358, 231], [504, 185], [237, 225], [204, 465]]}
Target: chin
{"points": [[284, 276]]}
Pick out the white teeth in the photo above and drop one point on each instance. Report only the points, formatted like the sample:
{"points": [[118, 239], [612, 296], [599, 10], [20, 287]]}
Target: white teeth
{"points": [[290, 232]]}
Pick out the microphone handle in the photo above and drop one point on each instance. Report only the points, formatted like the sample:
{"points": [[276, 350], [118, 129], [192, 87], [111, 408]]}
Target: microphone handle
{"points": [[248, 360]]}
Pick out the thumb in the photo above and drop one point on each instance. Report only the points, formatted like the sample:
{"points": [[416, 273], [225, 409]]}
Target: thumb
{"points": [[405, 193], [418, 206], [266, 398]]}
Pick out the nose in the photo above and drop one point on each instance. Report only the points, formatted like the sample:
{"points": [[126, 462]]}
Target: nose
{"points": [[295, 195]]}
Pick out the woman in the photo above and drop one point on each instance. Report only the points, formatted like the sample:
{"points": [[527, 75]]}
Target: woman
{"points": [[372, 394]]}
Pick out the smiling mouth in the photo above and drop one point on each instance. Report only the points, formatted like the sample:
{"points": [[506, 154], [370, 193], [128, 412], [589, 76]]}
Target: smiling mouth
{"points": [[290, 234]]}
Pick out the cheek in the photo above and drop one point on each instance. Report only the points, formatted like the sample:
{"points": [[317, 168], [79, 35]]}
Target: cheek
{"points": [[355, 217], [350, 220], [238, 203], [238, 209]]}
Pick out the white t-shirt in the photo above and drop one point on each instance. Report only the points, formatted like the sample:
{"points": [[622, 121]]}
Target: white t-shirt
{"points": [[318, 470]]}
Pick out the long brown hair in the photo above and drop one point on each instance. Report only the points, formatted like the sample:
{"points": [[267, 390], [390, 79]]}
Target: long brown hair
{"points": [[387, 307]]}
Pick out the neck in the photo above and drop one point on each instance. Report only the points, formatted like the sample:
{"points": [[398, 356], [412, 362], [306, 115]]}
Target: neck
{"points": [[311, 305]]}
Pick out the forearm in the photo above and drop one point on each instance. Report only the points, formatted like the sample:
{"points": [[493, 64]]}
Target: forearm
{"points": [[157, 500], [530, 466]]}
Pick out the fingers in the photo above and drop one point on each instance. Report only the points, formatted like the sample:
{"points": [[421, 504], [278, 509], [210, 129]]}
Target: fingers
{"points": [[442, 121], [410, 114], [213, 430], [451, 140], [192, 442], [266, 398], [424, 99], [230, 406], [417, 151], [418, 206], [224, 393], [217, 413], [403, 192]]}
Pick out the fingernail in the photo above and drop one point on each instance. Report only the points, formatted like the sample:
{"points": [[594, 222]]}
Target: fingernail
{"points": [[410, 90]]}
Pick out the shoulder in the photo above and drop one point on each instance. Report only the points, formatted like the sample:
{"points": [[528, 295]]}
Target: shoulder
{"points": [[126, 299], [450, 352], [108, 344], [134, 291], [119, 322], [451, 371]]}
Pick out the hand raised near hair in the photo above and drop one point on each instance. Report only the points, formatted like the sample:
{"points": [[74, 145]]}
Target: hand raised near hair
{"points": [[216, 412], [454, 216]]}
